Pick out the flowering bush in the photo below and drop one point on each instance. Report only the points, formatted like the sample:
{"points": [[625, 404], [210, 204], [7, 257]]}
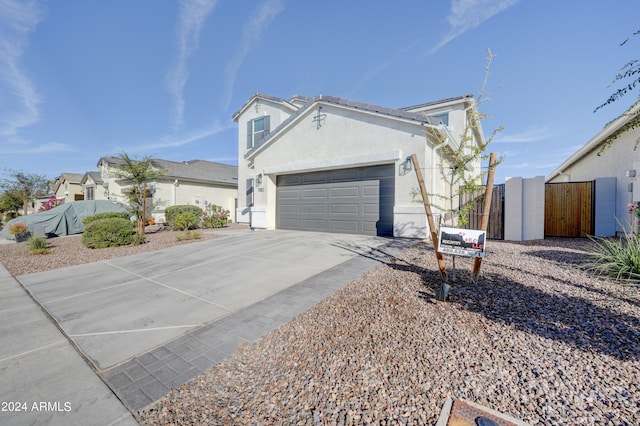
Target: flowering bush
{"points": [[17, 228], [51, 203], [214, 216], [634, 211]]}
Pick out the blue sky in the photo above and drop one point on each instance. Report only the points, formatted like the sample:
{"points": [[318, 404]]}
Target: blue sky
{"points": [[81, 79]]}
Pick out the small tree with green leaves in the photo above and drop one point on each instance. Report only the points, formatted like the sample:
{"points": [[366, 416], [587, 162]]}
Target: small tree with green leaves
{"points": [[629, 76], [140, 175], [28, 186], [11, 201], [458, 169]]}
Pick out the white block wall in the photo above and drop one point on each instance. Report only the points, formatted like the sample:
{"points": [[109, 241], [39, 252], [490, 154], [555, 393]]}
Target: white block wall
{"points": [[524, 209]]}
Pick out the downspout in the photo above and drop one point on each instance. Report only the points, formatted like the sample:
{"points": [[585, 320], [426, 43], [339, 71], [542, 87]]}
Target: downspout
{"points": [[433, 157], [175, 192]]}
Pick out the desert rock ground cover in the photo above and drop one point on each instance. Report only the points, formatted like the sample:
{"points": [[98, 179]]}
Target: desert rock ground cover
{"points": [[538, 338]]}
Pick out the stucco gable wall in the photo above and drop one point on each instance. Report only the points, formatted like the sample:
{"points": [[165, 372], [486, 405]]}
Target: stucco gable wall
{"points": [[613, 162], [342, 133], [68, 190]]}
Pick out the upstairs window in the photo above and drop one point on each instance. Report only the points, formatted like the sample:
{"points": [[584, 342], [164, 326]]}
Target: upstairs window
{"points": [[249, 192], [90, 193], [257, 130], [444, 117]]}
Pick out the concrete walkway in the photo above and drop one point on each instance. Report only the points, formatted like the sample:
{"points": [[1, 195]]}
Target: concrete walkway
{"points": [[148, 323], [43, 379]]}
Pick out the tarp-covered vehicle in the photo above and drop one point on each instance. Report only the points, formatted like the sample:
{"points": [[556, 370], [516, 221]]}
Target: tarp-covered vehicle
{"points": [[65, 219]]}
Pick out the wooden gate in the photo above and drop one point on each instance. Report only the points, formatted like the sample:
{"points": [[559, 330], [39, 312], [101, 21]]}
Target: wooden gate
{"points": [[568, 209], [495, 230]]}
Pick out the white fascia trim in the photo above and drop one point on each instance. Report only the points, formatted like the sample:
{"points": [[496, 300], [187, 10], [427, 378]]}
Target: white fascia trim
{"points": [[597, 140], [335, 163], [381, 115]]}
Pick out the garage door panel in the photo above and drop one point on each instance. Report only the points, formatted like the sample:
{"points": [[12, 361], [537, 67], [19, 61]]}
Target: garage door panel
{"points": [[290, 209], [350, 208], [316, 177], [291, 223], [289, 180], [370, 209], [289, 194], [346, 226], [376, 172], [369, 227], [314, 224], [314, 193], [314, 209], [345, 175], [347, 191], [371, 191]]}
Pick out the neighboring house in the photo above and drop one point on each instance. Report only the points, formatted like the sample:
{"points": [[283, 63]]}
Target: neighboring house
{"points": [[196, 182], [94, 187], [67, 187], [336, 165], [617, 167]]}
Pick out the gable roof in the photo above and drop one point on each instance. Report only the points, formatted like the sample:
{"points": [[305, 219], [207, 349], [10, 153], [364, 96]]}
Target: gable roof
{"points": [[628, 118], [69, 177], [261, 96], [308, 103], [195, 170], [95, 176]]}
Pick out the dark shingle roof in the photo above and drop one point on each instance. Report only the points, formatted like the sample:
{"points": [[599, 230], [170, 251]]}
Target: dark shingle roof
{"points": [[200, 170], [95, 176], [195, 170], [71, 177]]}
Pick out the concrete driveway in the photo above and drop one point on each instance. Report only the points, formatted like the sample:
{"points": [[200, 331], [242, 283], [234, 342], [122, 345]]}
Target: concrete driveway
{"points": [[150, 322]]}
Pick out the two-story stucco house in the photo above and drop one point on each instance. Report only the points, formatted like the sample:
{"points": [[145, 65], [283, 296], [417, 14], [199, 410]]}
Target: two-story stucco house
{"points": [[335, 165], [196, 182]]}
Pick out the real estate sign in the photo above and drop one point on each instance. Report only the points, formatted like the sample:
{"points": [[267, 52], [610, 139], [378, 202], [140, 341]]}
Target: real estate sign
{"points": [[461, 242]]}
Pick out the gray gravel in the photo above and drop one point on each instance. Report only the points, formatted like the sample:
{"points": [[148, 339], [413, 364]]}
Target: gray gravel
{"points": [[69, 251], [538, 338]]}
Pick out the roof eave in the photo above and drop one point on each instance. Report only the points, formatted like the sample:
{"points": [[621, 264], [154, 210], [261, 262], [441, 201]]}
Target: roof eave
{"points": [[596, 141]]}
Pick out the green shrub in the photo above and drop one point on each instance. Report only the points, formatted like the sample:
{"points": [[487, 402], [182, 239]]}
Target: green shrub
{"points": [[110, 232], [38, 245], [106, 215], [11, 215], [616, 257], [170, 214], [138, 239], [188, 235], [186, 221]]}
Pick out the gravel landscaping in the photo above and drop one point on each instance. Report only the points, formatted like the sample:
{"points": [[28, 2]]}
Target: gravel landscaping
{"points": [[538, 338], [69, 251]]}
